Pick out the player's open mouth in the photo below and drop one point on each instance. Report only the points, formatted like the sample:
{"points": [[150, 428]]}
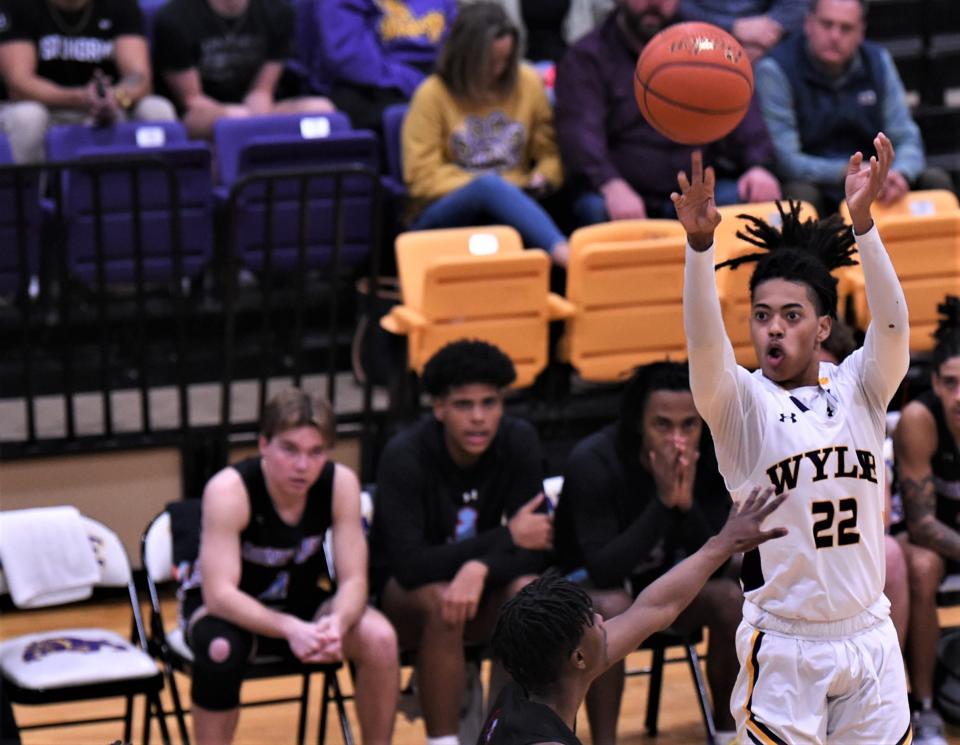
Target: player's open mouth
{"points": [[775, 356]]}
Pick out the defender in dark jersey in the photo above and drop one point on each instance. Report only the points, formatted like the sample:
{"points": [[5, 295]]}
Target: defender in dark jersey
{"points": [[555, 645], [263, 574], [928, 467]]}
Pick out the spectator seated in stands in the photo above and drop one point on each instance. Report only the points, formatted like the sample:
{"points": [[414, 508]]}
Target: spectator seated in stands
{"points": [[825, 93], [375, 53], [69, 62], [928, 471], [478, 140], [548, 26], [459, 523], [263, 580], [622, 164], [224, 58], [639, 496], [757, 24]]}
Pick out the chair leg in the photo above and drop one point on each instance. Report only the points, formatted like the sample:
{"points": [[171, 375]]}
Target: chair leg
{"points": [[693, 659], [653, 694], [177, 706], [128, 720], [341, 710], [302, 723], [147, 701], [324, 705], [155, 704]]}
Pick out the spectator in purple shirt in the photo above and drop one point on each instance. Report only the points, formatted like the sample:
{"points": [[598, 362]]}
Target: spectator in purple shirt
{"points": [[625, 167], [375, 53]]}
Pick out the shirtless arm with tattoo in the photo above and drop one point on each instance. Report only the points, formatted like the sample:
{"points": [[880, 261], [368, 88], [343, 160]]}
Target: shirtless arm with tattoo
{"points": [[915, 442]]}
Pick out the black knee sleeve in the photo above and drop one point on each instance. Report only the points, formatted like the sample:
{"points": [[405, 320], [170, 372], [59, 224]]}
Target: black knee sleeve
{"points": [[216, 685]]}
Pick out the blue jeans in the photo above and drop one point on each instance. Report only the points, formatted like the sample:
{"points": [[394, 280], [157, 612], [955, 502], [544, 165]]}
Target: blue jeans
{"points": [[590, 208], [487, 199]]}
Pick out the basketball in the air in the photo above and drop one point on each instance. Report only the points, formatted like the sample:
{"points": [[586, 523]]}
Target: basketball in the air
{"points": [[693, 83]]}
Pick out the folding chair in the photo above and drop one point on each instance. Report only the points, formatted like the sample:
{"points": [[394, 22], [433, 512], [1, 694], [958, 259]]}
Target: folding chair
{"points": [[80, 664], [628, 306], [733, 286], [171, 648], [474, 283], [618, 231]]}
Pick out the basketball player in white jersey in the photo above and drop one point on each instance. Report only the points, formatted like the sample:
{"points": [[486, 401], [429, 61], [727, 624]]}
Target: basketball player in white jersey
{"points": [[819, 657]]}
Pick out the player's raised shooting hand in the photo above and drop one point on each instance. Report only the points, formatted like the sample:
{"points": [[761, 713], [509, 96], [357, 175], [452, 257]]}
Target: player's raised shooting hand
{"points": [[864, 181], [695, 205], [742, 530]]}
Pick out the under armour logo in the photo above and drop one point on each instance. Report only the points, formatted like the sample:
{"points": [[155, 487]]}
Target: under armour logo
{"points": [[793, 418]]}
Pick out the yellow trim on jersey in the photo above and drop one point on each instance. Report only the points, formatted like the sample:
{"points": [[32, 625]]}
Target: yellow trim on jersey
{"points": [[758, 731]]}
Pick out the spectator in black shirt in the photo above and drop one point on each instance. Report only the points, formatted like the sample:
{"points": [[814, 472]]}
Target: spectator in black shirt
{"points": [[553, 642], [457, 527], [72, 61], [638, 496], [225, 57]]}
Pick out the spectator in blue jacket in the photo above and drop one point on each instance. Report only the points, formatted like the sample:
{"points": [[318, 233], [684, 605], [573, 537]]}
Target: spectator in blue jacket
{"points": [[376, 53], [824, 94], [757, 24]]}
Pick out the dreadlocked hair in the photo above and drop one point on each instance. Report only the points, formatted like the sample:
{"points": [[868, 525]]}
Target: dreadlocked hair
{"points": [[799, 251], [538, 629], [948, 331]]}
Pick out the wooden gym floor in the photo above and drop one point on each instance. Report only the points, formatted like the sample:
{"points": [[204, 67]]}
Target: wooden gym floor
{"points": [[680, 722]]}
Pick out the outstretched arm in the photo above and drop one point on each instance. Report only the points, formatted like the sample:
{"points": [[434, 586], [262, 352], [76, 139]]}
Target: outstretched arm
{"points": [[659, 605], [721, 395], [886, 348]]}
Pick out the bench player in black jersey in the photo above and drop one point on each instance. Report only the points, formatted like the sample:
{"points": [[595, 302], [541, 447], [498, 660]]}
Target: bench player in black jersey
{"points": [[262, 565], [555, 645], [928, 464]]}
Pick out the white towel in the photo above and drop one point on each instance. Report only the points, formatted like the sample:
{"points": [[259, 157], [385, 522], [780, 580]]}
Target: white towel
{"points": [[46, 555]]}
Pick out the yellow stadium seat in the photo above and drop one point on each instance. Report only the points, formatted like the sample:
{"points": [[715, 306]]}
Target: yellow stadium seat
{"points": [[627, 230], [733, 285], [917, 203], [925, 251], [627, 298], [475, 283]]}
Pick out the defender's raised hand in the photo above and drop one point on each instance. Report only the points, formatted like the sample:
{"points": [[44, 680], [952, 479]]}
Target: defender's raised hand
{"points": [[742, 530], [865, 180], [695, 205]]}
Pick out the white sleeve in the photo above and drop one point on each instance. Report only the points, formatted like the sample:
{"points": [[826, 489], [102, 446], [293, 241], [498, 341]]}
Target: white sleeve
{"points": [[886, 348], [726, 395]]}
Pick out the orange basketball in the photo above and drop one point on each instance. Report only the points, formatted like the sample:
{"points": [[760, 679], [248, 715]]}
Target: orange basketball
{"points": [[693, 83]]}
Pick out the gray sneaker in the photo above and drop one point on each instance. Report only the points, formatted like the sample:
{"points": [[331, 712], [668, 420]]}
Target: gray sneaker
{"points": [[928, 728]]}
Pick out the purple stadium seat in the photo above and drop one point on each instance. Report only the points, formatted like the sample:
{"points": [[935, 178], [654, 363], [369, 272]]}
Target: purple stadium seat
{"points": [[165, 141], [230, 135], [64, 142], [19, 198], [265, 154]]}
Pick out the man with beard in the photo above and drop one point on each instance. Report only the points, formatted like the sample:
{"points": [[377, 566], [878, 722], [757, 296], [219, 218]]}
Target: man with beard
{"points": [[624, 166]]}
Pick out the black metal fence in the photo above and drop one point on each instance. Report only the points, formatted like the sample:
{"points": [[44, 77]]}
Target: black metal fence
{"points": [[137, 310]]}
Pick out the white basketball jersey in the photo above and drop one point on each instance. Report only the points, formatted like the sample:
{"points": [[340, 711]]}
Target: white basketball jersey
{"points": [[824, 445]]}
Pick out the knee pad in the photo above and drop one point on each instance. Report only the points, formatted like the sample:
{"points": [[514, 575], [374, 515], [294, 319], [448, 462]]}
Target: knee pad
{"points": [[217, 678]]}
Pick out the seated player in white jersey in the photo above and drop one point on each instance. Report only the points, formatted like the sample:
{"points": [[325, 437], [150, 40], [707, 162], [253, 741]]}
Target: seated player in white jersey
{"points": [[820, 662]]}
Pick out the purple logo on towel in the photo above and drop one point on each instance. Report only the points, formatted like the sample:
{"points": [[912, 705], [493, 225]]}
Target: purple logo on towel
{"points": [[36, 651]]}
